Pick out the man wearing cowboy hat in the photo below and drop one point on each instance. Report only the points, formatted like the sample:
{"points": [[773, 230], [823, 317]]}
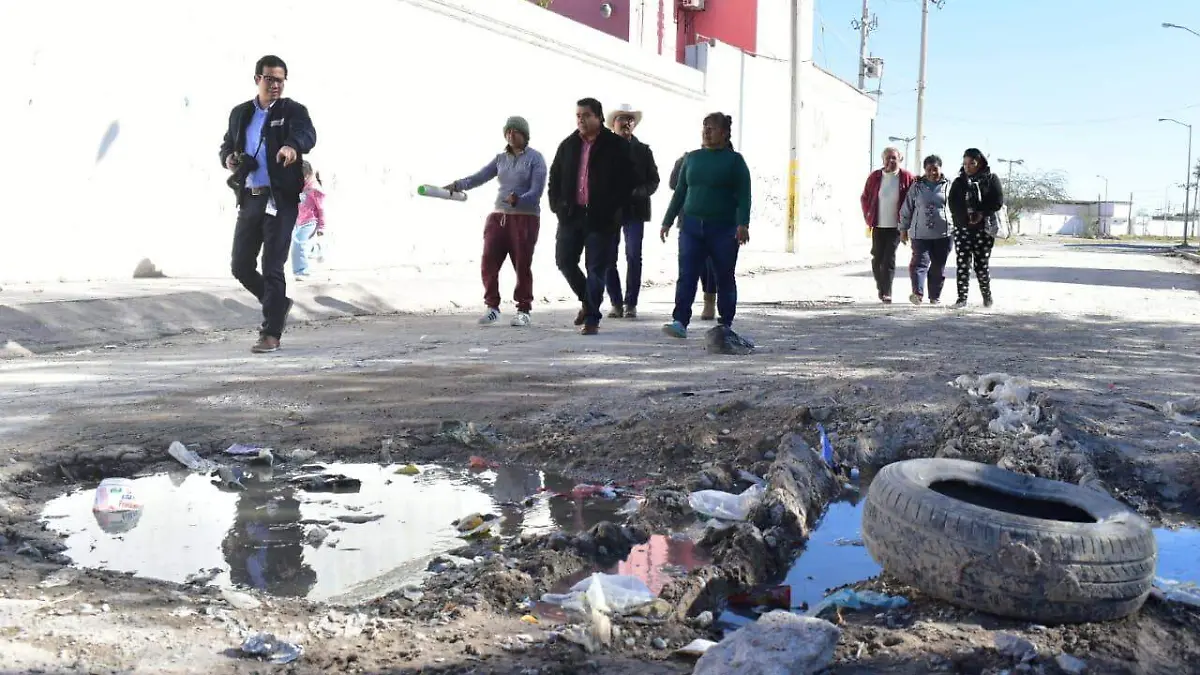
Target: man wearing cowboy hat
{"points": [[623, 121]]}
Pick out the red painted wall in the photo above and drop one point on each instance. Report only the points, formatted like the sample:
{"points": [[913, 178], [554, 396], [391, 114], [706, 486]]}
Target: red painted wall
{"points": [[587, 12], [734, 22]]}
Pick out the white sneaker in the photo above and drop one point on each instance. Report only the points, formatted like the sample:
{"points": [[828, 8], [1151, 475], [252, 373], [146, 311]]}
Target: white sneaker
{"points": [[492, 316], [521, 320]]}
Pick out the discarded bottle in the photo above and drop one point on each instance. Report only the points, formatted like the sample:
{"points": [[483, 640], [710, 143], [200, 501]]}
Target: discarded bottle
{"points": [[190, 459]]}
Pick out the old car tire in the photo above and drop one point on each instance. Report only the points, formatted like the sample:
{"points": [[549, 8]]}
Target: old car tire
{"points": [[985, 538]]}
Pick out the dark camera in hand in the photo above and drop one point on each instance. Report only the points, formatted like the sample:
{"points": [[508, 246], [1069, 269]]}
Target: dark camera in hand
{"points": [[244, 165]]}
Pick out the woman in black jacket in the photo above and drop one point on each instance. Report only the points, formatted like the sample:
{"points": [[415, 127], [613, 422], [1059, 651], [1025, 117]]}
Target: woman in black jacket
{"points": [[975, 200]]}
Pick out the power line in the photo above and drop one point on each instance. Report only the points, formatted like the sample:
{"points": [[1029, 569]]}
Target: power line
{"points": [[1063, 123]]}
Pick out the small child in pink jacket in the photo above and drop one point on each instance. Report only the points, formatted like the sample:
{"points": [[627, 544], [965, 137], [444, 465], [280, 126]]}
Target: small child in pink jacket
{"points": [[310, 221]]}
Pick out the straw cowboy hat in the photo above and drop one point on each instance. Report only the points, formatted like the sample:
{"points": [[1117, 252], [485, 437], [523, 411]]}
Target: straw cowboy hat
{"points": [[624, 109]]}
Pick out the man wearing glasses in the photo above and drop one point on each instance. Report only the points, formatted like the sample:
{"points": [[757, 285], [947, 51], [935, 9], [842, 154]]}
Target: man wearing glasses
{"points": [[591, 181], [263, 147]]}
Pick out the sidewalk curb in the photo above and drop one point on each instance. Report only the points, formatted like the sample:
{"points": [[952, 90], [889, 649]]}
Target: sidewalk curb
{"points": [[33, 327]]}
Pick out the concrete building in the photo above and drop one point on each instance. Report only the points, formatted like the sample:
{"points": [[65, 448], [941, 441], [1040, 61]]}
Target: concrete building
{"points": [[1073, 218], [116, 156]]}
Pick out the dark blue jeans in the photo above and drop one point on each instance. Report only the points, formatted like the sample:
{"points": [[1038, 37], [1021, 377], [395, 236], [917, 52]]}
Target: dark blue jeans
{"points": [[929, 260], [700, 241], [634, 232], [708, 280]]}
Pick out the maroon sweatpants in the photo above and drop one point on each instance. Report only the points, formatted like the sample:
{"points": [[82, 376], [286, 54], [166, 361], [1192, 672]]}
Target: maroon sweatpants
{"points": [[504, 235]]}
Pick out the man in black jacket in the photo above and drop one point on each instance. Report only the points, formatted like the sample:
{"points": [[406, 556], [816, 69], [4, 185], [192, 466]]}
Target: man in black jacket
{"points": [[264, 144], [623, 121], [591, 180]]}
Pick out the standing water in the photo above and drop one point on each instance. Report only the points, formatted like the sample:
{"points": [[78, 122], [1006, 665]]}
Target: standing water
{"points": [[298, 540]]}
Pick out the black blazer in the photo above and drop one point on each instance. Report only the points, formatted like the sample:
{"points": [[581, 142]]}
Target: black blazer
{"points": [[611, 179], [288, 124], [647, 181]]}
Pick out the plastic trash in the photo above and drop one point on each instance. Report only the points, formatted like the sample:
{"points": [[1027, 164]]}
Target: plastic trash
{"points": [[726, 506], [477, 462], [116, 494], [723, 340], [826, 446], [630, 507], [240, 600], [116, 507], [477, 525], [1183, 592], [190, 459], [607, 593], [585, 490], [408, 470], [239, 450], [849, 598], [695, 648], [327, 483], [267, 646]]}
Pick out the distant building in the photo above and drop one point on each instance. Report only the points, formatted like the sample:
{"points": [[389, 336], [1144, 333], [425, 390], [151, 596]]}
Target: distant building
{"points": [[1074, 217], [669, 27]]}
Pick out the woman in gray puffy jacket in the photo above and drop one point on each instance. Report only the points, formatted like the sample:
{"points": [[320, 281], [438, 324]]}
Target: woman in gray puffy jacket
{"points": [[925, 222]]}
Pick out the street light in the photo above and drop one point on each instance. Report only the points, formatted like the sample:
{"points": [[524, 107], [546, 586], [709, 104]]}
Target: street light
{"points": [[1100, 211], [1187, 178], [905, 141], [1010, 162], [1175, 25]]}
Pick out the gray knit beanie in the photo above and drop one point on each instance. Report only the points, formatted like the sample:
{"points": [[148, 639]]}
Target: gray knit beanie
{"points": [[517, 124]]}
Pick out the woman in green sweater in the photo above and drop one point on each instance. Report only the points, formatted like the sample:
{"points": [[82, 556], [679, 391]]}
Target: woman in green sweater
{"points": [[714, 197]]}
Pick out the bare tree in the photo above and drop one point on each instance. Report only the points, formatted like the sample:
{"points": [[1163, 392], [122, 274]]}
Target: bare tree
{"points": [[1030, 190]]}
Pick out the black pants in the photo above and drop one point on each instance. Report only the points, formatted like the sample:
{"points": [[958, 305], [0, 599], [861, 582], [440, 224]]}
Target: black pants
{"points": [[574, 240], [974, 248], [271, 236], [884, 242]]}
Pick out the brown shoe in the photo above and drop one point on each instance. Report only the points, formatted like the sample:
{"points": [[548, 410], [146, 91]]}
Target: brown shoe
{"points": [[631, 312], [265, 345], [589, 329], [581, 317], [617, 312], [710, 307]]}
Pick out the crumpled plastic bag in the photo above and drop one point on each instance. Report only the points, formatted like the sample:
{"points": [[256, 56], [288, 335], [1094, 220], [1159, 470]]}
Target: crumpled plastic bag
{"points": [[267, 646], [608, 593], [849, 598], [723, 340], [726, 506]]}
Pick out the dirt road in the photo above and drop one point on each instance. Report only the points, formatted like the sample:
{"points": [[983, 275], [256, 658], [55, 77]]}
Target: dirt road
{"points": [[1107, 334]]}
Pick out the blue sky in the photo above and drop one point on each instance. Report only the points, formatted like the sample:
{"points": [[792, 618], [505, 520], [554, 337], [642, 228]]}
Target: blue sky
{"points": [[1070, 85]]}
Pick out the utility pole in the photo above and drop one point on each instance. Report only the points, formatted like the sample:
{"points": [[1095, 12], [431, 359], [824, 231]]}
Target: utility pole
{"points": [[1187, 185], [921, 72], [864, 26], [793, 123], [1100, 213]]}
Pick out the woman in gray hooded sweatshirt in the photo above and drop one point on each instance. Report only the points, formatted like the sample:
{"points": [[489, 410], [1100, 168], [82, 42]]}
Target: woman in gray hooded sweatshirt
{"points": [[925, 221]]}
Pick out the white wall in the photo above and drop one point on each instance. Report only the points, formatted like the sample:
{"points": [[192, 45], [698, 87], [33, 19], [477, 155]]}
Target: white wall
{"points": [[835, 123], [402, 92]]}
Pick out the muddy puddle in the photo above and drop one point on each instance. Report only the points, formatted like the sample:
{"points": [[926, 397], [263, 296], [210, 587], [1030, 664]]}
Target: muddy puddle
{"points": [[834, 556], [374, 533], [1179, 554]]}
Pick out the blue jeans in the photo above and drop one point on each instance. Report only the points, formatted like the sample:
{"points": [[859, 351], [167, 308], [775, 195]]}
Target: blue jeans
{"points": [[301, 245], [700, 241], [634, 233]]}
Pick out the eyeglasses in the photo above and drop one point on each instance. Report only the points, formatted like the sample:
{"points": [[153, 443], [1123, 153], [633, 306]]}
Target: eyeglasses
{"points": [[272, 80], [627, 119]]}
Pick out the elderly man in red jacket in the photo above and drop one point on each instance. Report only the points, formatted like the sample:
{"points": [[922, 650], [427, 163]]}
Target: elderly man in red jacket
{"points": [[881, 200]]}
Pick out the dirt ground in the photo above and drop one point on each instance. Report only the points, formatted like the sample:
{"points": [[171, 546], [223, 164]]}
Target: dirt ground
{"points": [[1107, 334]]}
